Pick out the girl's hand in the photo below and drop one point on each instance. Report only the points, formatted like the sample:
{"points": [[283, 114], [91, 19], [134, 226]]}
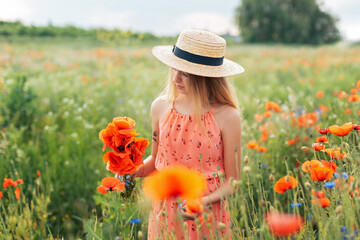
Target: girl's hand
{"points": [[184, 214], [188, 216]]}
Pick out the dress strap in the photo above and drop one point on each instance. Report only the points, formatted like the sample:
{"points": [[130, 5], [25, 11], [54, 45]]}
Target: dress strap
{"points": [[213, 106]]}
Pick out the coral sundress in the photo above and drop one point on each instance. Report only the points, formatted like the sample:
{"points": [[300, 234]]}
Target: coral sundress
{"points": [[182, 141]]}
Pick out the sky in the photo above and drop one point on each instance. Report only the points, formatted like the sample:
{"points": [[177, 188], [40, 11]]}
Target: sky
{"points": [[160, 17]]}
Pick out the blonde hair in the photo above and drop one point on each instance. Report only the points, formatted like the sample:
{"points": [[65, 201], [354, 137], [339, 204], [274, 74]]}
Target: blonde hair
{"points": [[204, 91]]}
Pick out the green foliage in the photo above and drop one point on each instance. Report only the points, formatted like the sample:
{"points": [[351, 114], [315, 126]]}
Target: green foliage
{"points": [[285, 21], [16, 104]]}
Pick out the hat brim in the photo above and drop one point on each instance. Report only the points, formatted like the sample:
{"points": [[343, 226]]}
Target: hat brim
{"points": [[165, 55]]}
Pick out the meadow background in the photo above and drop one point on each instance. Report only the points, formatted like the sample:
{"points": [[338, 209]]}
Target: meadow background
{"points": [[56, 94]]}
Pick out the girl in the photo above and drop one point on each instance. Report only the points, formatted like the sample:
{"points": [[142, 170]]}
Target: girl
{"points": [[196, 123]]}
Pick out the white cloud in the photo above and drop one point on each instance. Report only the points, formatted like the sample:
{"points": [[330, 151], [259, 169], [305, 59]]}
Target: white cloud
{"points": [[213, 22], [348, 13], [15, 10], [111, 19]]}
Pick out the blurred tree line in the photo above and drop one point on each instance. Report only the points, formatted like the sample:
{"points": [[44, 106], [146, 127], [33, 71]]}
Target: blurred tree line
{"points": [[8, 29], [285, 21]]}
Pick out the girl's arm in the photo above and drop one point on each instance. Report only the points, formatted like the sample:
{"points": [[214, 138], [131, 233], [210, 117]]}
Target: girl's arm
{"points": [[149, 162], [230, 126]]}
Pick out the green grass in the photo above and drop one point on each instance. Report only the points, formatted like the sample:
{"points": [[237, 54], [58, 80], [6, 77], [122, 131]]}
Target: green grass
{"points": [[72, 89]]}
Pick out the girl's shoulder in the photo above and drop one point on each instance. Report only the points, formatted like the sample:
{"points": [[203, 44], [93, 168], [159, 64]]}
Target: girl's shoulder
{"points": [[159, 107], [226, 115]]}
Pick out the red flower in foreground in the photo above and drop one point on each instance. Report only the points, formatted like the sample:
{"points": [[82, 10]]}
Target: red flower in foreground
{"points": [[283, 224], [194, 206], [110, 184], [174, 181], [38, 174], [341, 130], [285, 183], [17, 193], [1, 195]]}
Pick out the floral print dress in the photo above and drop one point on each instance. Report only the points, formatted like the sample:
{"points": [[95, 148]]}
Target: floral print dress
{"points": [[183, 141]]}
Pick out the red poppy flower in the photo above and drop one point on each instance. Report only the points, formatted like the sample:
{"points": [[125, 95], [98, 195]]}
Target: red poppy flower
{"points": [[9, 182], [262, 149], [175, 181], [319, 94], [194, 206], [341, 131], [321, 173], [335, 153], [17, 193], [323, 130], [272, 106], [322, 139], [1, 195], [354, 98], [307, 165], [118, 164], [38, 173], [283, 224], [285, 183], [110, 184], [290, 142], [19, 181], [319, 194], [317, 146], [329, 164], [252, 145], [267, 114], [321, 202]]}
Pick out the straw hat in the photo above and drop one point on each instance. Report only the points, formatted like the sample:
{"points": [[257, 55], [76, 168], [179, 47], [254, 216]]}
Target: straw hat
{"points": [[199, 53]]}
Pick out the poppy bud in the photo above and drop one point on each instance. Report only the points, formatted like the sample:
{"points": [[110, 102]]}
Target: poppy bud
{"points": [[185, 225], [338, 209], [345, 145], [307, 184], [263, 203], [271, 178], [304, 149], [246, 159], [247, 169], [140, 235]]}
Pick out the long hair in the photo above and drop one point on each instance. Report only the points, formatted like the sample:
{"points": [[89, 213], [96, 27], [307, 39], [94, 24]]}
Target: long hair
{"points": [[204, 92]]}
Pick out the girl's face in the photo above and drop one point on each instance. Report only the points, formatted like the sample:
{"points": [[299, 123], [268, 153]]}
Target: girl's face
{"points": [[181, 81]]}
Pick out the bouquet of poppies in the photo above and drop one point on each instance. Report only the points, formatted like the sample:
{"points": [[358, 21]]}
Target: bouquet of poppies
{"points": [[126, 157]]}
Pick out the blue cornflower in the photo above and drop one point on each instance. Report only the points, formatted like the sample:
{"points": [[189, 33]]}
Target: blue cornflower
{"points": [[330, 184], [343, 229], [135, 220], [127, 183], [336, 175], [264, 165], [292, 205], [345, 175]]}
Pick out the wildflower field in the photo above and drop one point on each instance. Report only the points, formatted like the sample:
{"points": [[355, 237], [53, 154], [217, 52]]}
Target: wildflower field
{"points": [[300, 139]]}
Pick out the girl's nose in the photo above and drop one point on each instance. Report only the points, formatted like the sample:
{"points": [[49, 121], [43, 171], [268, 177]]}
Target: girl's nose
{"points": [[177, 76]]}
